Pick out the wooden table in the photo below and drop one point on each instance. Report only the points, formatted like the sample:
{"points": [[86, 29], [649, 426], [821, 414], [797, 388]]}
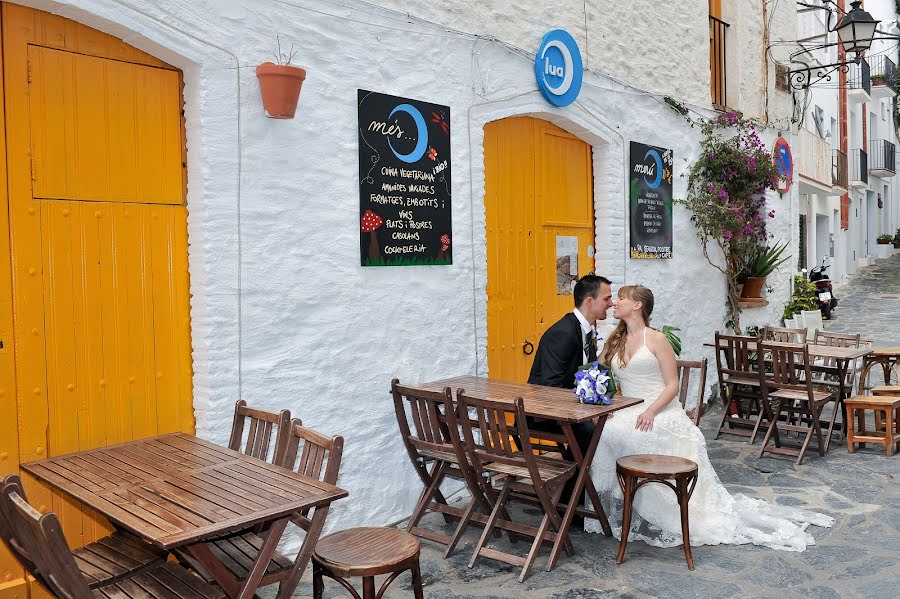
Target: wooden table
{"points": [[178, 490], [842, 357], [561, 405]]}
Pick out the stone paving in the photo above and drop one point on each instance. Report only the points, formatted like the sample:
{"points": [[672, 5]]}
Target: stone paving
{"points": [[858, 557]]}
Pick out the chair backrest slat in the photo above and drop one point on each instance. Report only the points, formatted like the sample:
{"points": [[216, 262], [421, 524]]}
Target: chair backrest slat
{"points": [[263, 426], [734, 357], [46, 545], [18, 547], [685, 367], [784, 334], [790, 366]]}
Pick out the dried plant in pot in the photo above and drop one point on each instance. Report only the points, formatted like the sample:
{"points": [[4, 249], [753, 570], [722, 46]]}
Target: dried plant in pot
{"points": [[280, 83]]}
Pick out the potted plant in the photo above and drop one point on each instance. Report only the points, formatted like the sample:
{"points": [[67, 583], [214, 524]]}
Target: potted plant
{"points": [[759, 264], [897, 240], [280, 84], [885, 239], [803, 298], [877, 79]]}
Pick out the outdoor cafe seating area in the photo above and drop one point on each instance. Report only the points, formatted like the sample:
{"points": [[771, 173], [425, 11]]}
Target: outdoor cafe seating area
{"points": [[196, 520]]}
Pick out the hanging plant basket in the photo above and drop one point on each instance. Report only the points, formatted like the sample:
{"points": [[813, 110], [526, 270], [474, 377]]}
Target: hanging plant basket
{"points": [[280, 87]]}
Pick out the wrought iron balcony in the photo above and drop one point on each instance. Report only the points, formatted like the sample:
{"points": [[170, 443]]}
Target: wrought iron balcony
{"points": [[883, 75], [839, 175], [859, 82], [859, 168], [717, 29], [884, 155]]}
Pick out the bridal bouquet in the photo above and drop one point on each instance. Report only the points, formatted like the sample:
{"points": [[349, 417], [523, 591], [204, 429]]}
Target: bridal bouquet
{"points": [[595, 384]]}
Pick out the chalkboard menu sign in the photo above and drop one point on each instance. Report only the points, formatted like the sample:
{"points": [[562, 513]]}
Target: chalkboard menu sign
{"points": [[650, 192], [404, 181]]}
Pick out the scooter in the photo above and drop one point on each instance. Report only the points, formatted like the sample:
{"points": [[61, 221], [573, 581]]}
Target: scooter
{"points": [[824, 291]]}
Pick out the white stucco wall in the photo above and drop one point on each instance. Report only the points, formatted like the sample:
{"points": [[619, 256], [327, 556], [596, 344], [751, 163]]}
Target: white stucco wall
{"points": [[282, 313]]}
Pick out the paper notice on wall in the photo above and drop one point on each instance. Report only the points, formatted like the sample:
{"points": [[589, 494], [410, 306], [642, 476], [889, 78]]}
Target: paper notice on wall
{"points": [[566, 264]]}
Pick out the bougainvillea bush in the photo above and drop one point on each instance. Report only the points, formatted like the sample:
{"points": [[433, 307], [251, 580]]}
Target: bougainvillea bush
{"points": [[726, 196]]}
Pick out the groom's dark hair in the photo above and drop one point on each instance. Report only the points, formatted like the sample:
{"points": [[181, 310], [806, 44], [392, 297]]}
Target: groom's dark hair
{"points": [[588, 285]]}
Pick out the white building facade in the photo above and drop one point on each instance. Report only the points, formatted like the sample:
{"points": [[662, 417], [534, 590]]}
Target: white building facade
{"points": [[282, 313]]}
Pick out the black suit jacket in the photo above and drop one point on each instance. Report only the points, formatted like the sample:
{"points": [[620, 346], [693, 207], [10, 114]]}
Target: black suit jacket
{"points": [[559, 354]]}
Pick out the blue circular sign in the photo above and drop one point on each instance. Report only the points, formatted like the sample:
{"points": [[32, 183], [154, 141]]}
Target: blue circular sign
{"points": [[558, 68]]}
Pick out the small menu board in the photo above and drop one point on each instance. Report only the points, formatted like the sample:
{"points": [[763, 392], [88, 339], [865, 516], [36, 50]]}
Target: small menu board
{"points": [[404, 181], [650, 193]]}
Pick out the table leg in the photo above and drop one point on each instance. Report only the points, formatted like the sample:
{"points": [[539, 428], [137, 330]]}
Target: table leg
{"points": [[229, 584], [317, 523], [582, 481]]}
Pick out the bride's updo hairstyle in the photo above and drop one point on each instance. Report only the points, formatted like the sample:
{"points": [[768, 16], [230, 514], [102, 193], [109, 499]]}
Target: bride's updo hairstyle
{"points": [[615, 345]]}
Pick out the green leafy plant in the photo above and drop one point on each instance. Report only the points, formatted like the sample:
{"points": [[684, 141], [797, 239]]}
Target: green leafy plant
{"points": [[726, 188], [886, 238], [763, 260], [897, 235], [803, 298], [671, 334]]}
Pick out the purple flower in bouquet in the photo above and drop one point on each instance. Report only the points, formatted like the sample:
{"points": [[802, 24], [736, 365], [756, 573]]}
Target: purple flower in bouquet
{"points": [[594, 384]]}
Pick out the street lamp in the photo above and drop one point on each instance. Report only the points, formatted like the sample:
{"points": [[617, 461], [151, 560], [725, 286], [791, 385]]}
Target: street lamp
{"points": [[856, 29]]}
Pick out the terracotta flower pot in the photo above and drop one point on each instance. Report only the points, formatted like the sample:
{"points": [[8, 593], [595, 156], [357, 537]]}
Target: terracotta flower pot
{"points": [[280, 87], [753, 287]]}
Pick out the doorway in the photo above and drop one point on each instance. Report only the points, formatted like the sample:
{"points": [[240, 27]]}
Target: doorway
{"points": [[95, 245], [539, 205]]}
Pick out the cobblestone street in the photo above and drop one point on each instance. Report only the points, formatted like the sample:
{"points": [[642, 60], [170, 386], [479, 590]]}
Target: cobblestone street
{"points": [[858, 557]]}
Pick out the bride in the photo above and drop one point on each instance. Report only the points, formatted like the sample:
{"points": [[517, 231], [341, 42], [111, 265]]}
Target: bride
{"points": [[644, 365]]}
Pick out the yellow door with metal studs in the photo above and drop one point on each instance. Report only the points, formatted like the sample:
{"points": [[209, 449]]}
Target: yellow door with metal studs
{"points": [[94, 301], [538, 197]]}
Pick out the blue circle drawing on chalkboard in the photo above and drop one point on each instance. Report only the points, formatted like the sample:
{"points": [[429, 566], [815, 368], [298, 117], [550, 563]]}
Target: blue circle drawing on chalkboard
{"points": [[422, 132], [658, 159], [558, 67]]}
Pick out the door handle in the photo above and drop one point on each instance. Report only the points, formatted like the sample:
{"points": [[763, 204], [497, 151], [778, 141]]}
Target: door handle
{"points": [[528, 348]]}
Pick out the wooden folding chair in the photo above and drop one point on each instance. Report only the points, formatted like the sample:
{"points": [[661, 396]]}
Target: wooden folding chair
{"points": [[739, 386], [106, 560], [308, 452], [56, 567], [263, 428], [488, 443], [685, 367], [790, 389], [783, 334], [429, 427]]}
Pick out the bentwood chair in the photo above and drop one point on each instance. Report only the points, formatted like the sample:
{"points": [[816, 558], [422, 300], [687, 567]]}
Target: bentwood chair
{"points": [[685, 367], [102, 562], [308, 452], [429, 429], [261, 429], [489, 445], [739, 386], [54, 565], [790, 390]]}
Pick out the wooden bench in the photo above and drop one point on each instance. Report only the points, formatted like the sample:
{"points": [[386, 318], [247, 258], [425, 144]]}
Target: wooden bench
{"points": [[887, 416], [886, 390]]}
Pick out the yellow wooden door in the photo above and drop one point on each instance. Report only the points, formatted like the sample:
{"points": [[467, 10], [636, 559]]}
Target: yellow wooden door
{"points": [[538, 191], [98, 314]]}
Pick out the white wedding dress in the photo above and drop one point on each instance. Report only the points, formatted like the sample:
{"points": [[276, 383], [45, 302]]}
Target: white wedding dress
{"points": [[715, 516]]}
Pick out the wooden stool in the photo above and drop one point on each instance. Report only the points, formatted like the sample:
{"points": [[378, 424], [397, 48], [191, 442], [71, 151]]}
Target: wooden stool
{"points": [[886, 432], [886, 357], [634, 471], [366, 552]]}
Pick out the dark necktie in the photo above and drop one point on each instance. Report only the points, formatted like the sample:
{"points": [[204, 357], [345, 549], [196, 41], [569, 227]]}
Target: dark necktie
{"points": [[590, 350]]}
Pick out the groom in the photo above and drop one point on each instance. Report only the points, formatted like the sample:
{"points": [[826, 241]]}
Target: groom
{"points": [[568, 344]]}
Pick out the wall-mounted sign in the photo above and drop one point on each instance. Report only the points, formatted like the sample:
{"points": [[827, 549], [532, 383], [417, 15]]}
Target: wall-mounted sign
{"points": [[404, 181], [650, 208], [784, 164], [558, 68]]}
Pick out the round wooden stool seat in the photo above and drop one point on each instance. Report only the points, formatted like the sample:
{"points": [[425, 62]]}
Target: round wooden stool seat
{"points": [[366, 552], [655, 465], [634, 471]]}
